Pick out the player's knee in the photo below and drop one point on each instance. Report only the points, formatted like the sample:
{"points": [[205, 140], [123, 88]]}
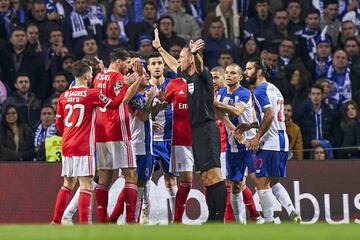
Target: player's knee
{"points": [[130, 175], [69, 182], [236, 187], [186, 176]]}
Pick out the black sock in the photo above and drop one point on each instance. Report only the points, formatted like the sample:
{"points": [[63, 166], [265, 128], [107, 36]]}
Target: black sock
{"points": [[216, 201]]}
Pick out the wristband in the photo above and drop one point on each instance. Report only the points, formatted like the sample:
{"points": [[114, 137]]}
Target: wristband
{"points": [[194, 53]]}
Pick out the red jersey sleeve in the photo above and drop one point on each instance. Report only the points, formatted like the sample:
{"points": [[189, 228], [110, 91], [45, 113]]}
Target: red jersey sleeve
{"points": [[169, 92], [60, 116]]}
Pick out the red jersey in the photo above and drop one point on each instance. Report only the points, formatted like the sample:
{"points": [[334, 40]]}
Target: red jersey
{"points": [[176, 93], [221, 126], [75, 119], [111, 125]]}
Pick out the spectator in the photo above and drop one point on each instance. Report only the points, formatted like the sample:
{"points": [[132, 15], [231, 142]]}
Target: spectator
{"points": [[67, 62], [339, 77], [186, 25], [215, 43], [4, 93], [175, 50], [318, 121], [8, 20], [348, 29], [90, 47], [225, 58], [350, 125], [19, 11], [279, 30], [16, 137], [53, 101], [294, 10], [144, 47], [327, 91], [308, 35], [297, 91], [39, 18], [353, 14], [272, 60], [55, 52], [145, 26], [32, 36], [27, 105], [78, 25], [294, 133], [45, 129], [249, 50], [166, 33], [350, 113], [119, 15], [352, 50], [231, 20], [60, 83], [16, 58], [262, 21], [330, 20], [112, 41], [320, 65], [58, 10], [319, 153]]}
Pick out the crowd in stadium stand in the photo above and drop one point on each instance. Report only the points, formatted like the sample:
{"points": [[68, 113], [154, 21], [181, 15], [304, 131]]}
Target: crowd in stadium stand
{"points": [[310, 46]]}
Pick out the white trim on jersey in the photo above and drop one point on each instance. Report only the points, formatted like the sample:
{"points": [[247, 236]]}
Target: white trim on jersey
{"points": [[92, 132]]}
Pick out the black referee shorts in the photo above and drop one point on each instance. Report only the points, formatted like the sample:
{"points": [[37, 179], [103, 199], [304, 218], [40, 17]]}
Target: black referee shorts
{"points": [[206, 146]]}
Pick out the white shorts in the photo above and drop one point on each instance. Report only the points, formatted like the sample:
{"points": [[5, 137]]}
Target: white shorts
{"points": [[223, 164], [115, 155], [181, 159], [78, 166]]}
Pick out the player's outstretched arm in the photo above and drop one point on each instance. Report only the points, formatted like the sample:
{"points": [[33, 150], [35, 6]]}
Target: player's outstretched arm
{"points": [[228, 124], [236, 110], [169, 60], [195, 47]]}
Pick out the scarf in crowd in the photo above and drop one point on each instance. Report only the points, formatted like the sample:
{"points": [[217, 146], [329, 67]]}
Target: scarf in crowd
{"points": [[340, 90], [78, 25], [321, 71], [310, 35], [197, 11], [161, 10], [42, 133], [319, 5], [138, 6], [96, 15], [343, 5], [6, 18], [123, 37]]}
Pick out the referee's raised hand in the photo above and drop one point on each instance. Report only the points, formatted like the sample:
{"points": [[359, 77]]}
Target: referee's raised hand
{"points": [[156, 42], [196, 46]]}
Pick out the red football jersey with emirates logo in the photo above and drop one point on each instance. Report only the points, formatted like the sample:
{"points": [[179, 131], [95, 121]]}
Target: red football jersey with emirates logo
{"points": [[176, 93], [111, 125]]}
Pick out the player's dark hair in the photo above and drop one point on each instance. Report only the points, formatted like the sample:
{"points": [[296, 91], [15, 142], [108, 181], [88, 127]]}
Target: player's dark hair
{"points": [[317, 86], [116, 54], [79, 68], [260, 65], [154, 55]]}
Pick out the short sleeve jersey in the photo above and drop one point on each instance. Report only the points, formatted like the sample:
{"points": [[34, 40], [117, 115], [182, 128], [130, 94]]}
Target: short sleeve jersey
{"points": [[242, 96], [75, 118], [200, 97], [176, 94], [164, 118], [141, 131], [267, 95], [111, 124]]}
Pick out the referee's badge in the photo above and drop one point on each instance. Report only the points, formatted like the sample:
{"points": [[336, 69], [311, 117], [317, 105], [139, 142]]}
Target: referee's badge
{"points": [[191, 88]]}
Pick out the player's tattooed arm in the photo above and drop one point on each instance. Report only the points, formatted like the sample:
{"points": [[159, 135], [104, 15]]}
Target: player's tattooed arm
{"points": [[236, 110]]}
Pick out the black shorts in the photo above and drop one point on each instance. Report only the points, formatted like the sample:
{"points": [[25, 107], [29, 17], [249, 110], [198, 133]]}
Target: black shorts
{"points": [[206, 146]]}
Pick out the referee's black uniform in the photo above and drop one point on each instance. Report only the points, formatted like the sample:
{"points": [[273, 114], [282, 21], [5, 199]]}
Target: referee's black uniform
{"points": [[205, 136]]}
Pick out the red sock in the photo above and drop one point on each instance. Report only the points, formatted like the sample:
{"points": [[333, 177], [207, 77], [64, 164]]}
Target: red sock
{"points": [[249, 203], [101, 197], [229, 213], [130, 197], [84, 206], [62, 199], [180, 202], [119, 207]]}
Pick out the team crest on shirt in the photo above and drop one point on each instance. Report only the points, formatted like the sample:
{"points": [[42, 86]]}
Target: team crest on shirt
{"points": [[231, 102], [117, 86], [191, 88], [103, 97]]}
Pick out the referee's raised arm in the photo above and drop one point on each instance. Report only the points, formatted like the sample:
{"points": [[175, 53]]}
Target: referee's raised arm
{"points": [[168, 59], [195, 47]]}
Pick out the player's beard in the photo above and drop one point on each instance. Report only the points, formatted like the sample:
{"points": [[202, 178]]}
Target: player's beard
{"points": [[252, 79]]}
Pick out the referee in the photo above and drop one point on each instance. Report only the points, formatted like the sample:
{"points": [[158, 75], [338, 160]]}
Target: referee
{"points": [[205, 132]]}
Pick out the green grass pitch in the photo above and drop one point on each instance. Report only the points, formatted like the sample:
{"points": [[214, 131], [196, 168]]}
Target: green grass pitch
{"points": [[182, 232]]}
